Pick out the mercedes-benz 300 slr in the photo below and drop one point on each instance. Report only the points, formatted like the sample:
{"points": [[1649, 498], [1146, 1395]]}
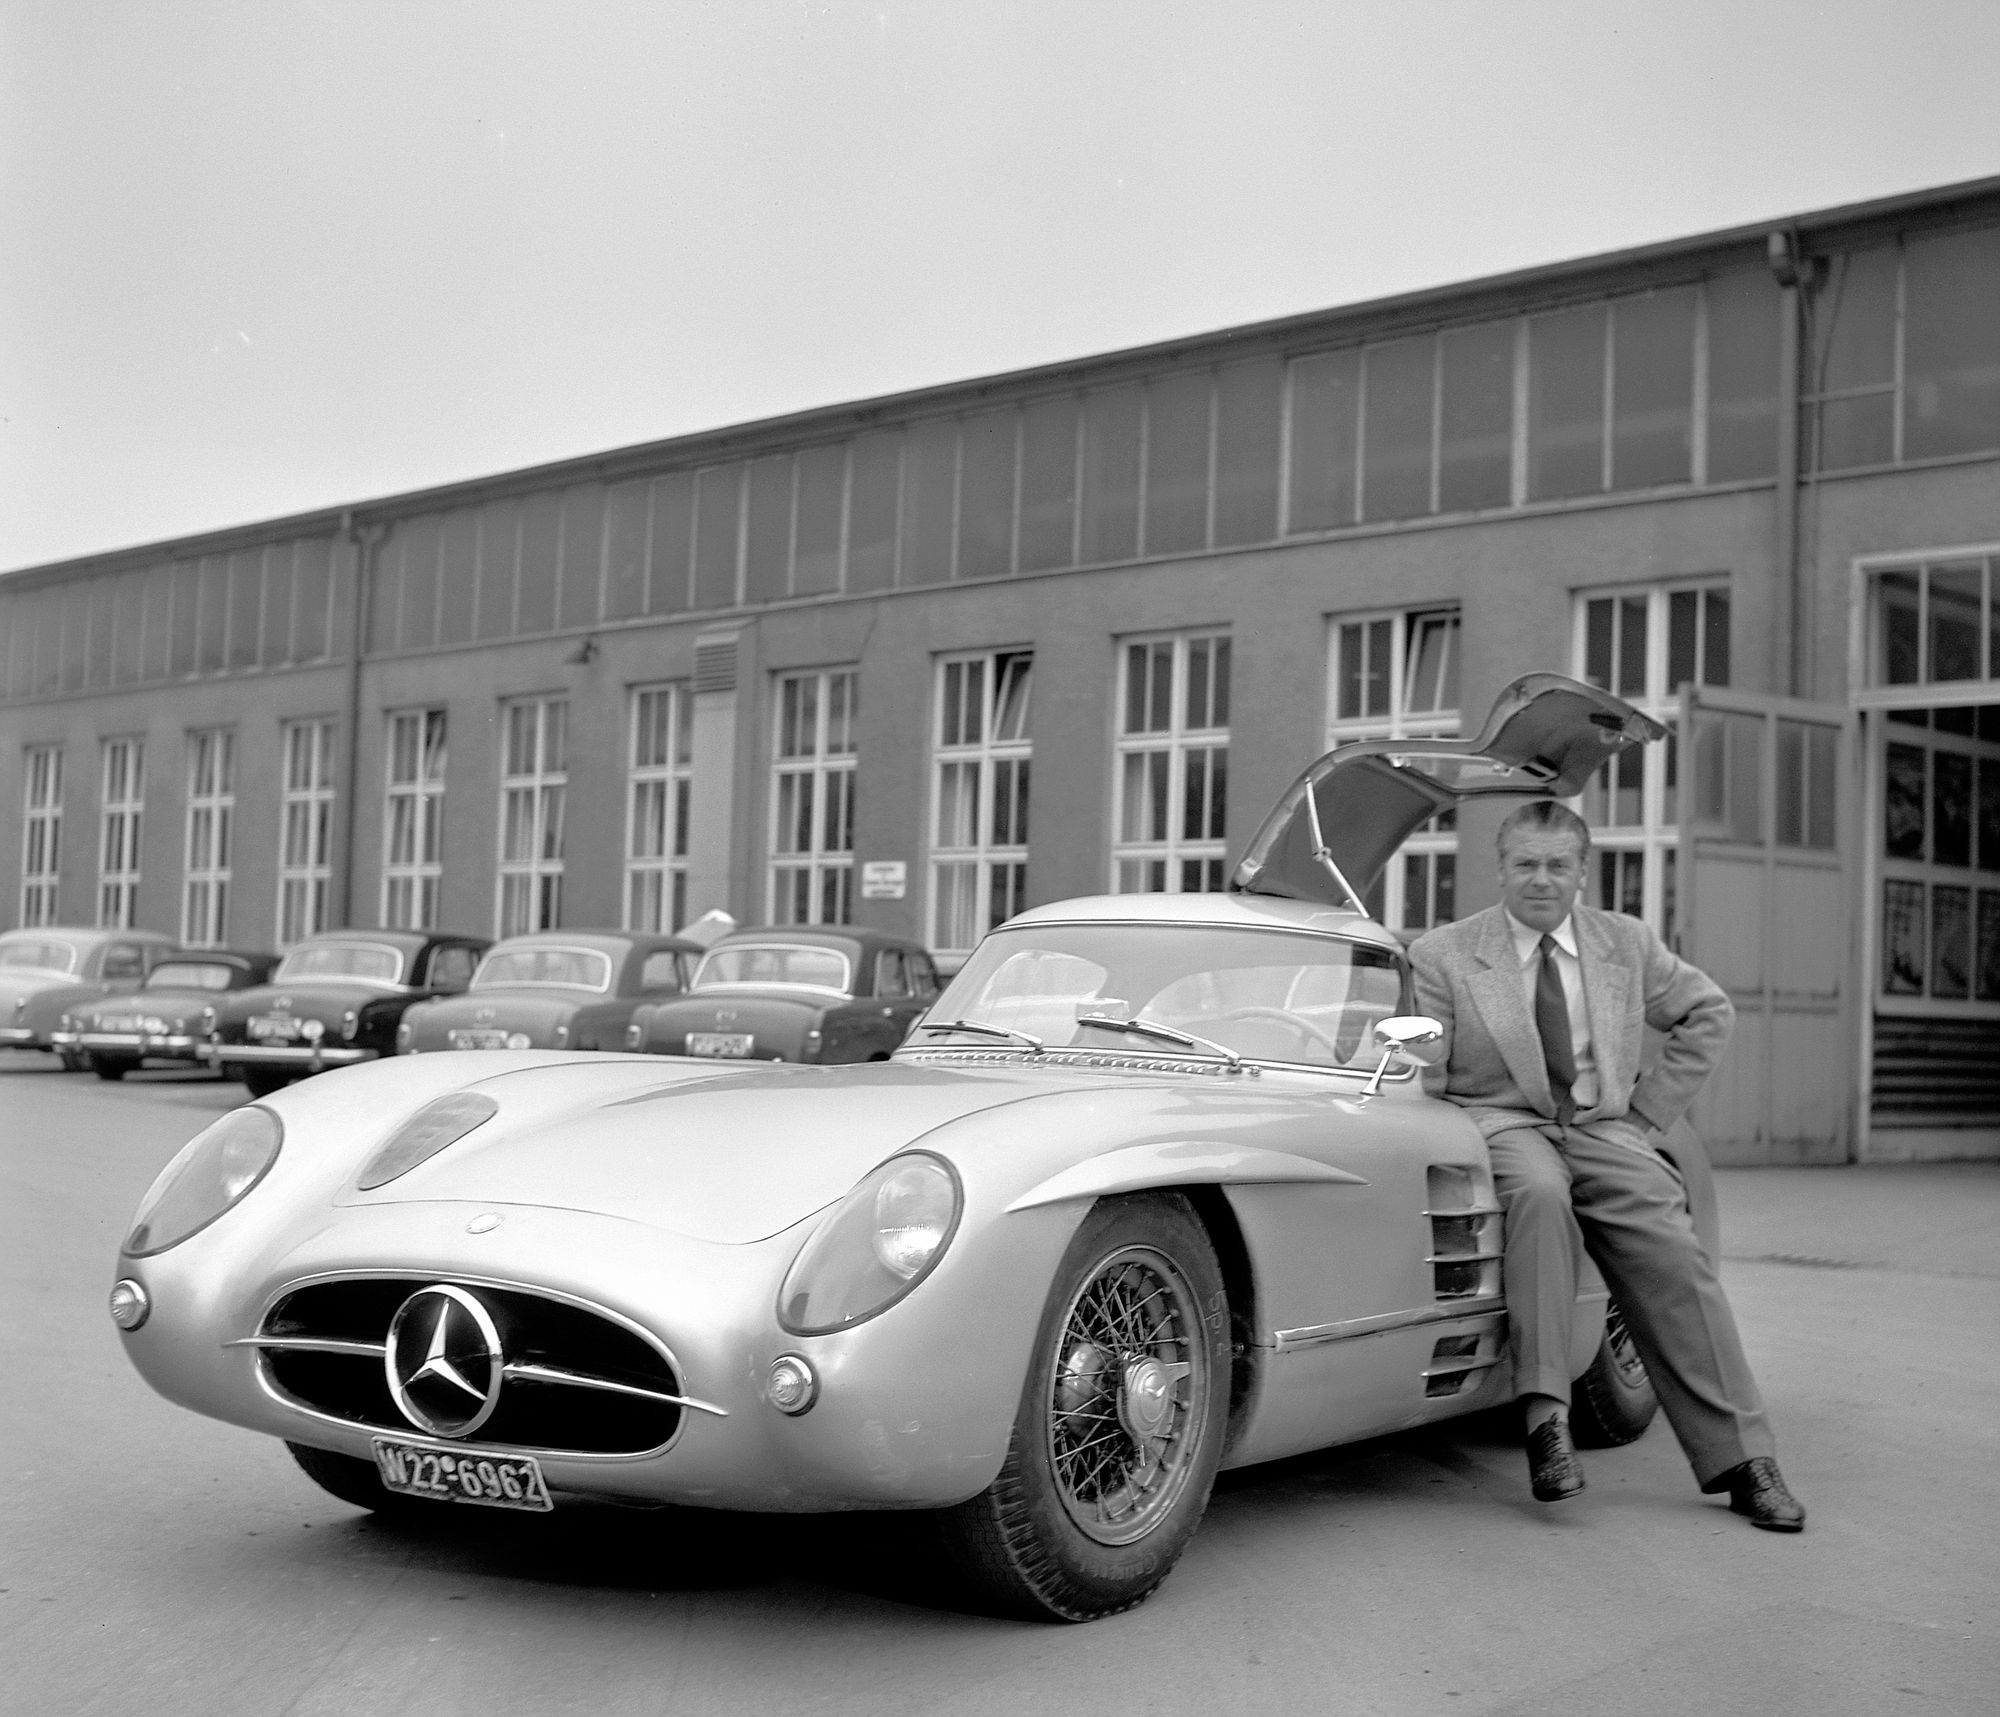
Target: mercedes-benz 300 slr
{"points": [[1153, 1190]]}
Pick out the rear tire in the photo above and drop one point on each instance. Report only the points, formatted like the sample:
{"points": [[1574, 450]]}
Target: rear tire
{"points": [[1120, 1427], [262, 1081], [1613, 1402]]}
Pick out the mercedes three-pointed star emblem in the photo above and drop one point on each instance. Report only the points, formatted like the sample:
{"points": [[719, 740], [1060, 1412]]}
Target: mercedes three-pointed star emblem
{"points": [[444, 1360]]}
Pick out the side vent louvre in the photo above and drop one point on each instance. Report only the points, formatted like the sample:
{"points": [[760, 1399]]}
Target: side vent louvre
{"points": [[715, 664], [1464, 1216]]}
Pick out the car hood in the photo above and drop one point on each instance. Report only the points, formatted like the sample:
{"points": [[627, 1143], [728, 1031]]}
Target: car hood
{"points": [[305, 1001], [166, 1003], [732, 1154], [1338, 824]]}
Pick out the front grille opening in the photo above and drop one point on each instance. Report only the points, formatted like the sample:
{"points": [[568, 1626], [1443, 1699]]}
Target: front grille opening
{"points": [[533, 1412]]}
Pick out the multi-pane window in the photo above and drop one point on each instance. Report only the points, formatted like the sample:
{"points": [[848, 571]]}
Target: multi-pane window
{"points": [[211, 812], [1173, 765], [41, 833], [979, 772], [533, 786], [305, 830], [1936, 621], [660, 768], [1395, 676], [413, 820], [122, 803], [1643, 644], [812, 799]]}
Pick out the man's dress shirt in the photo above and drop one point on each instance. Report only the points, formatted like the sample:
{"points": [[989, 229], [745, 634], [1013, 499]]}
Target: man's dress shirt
{"points": [[1528, 945]]}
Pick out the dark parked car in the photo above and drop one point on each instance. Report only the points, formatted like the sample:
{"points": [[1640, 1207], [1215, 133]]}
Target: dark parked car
{"points": [[336, 999], [794, 993], [555, 989], [167, 1018], [46, 971]]}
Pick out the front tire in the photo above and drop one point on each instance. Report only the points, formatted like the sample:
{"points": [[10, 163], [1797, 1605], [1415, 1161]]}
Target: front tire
{"points": [[111, 1066], [1613, 1402], [1120, 1426], [351, 1480]]}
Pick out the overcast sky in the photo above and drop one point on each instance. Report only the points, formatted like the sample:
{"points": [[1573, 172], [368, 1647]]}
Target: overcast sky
{"points": [[258, 256]]}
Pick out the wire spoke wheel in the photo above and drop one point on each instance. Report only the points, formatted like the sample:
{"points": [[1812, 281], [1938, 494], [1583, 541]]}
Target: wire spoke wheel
{"points": [[1120, 1426], [1613, 1401], [1129, 1373]]}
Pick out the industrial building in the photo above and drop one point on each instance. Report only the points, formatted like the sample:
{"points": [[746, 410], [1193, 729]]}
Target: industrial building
{"points": [[920, 661]]}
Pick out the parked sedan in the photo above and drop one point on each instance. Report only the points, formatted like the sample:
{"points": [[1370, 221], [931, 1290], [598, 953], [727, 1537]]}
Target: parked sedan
{"points": [[167, 1018], [555, 989], [1154, 1191], [337, 999], [794, 993], [47, 971]]}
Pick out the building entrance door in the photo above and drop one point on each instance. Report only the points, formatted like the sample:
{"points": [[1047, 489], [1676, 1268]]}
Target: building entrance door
{"points": [[1765, 908]]}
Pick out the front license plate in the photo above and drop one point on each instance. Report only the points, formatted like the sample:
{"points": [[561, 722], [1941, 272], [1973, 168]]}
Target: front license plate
{"points": [[478, 1039], [267, 1026], [721, 1042], [493, 1481]]}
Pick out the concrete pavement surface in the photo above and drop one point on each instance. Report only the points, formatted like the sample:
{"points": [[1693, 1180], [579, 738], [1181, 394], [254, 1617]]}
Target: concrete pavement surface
{"points": [[155, 1563]]}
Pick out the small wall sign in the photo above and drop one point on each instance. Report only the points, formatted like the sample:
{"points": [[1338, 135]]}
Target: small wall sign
{"points": [[884, 879]]}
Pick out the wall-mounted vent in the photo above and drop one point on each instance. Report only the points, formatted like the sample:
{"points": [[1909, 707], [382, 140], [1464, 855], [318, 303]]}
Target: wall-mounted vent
{"points": [[715, 664]]}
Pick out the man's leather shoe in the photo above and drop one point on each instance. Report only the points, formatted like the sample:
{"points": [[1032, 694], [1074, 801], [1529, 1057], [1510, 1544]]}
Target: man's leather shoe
{"points": [[1553, 1468], [1757, 1489]]}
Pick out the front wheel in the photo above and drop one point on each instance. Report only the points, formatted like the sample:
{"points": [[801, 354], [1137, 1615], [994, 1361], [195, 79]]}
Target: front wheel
{"points": [[1120, 1426], [351, 1480], [1613, 1402]]}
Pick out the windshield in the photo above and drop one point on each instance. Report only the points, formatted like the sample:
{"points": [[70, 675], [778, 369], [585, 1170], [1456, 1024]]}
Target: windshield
{"points": [[772, 963], [553, 968], [1271, 995], [34, 954], [369, 961], [189, 975]]}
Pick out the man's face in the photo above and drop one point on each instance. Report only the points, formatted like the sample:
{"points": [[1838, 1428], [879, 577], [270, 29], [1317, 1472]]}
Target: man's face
{"points": [[1540, 872]]}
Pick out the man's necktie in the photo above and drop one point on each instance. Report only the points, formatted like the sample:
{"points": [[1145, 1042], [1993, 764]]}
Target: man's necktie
{"points": [[1552, 1021]]}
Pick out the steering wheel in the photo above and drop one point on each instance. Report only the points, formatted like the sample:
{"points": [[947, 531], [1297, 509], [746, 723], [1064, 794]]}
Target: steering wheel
{"points": [[1306, 1031]]}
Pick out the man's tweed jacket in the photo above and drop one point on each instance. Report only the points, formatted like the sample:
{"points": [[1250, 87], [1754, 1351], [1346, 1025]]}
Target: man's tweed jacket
{"points": [[1469, 978]]}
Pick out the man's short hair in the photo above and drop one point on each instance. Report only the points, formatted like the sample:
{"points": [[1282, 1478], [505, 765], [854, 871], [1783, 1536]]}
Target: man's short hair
{"points": [[1545, 817]]}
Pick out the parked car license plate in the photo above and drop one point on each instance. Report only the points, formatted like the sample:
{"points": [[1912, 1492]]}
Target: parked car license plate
{"points": [[493, 1481], [273, 1025], [478, 1038], [720, 1042]]}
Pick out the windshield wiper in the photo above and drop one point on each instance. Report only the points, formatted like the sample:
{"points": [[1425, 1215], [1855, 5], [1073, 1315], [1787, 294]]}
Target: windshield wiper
{"points": [[983, 1029], [1165, 1033]]}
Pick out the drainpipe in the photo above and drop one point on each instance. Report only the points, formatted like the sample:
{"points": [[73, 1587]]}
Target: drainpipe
{"points": [[365, 538], [1791, 653]]}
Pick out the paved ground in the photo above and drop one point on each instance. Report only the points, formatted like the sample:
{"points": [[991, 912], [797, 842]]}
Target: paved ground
{"points": [[152, 1562]]}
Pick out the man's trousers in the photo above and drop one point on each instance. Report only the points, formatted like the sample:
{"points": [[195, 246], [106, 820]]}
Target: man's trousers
{"points": [[1568, 1190]]}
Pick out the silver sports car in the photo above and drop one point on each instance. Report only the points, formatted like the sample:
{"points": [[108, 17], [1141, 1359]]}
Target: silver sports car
{"points": [[1152, 1191]]}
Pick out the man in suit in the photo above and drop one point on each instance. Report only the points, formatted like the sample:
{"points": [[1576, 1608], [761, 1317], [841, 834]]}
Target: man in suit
{"points": [[1545, 1003]]}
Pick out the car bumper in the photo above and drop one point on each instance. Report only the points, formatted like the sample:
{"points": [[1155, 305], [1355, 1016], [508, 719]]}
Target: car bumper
{"points": [[175, 1045], [308, 1058]]}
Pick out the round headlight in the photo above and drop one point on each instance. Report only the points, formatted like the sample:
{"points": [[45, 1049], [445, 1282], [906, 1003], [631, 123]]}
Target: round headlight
{"points": [[519, 1040], [442, 1121], [216, 1170], [879, 1243], [312, 1030]]}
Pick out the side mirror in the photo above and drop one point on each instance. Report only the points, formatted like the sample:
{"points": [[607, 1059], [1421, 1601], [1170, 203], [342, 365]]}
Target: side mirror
{"points": [[1408, 1037]]}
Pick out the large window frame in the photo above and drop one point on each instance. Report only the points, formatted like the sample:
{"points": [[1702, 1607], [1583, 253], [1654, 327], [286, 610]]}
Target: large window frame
{"points": [[534, 789], [211, 817], [981, 755], [413, 818], [41, 834], [811, 869], [121, 815], [1170, 799], [1643, 642], [659, 761], [1393, 674], [305, 828]]}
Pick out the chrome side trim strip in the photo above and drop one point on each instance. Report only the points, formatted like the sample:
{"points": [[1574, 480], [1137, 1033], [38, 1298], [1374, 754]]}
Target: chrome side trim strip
{"points": [[580, 1380], [1318, 1335], [313, 1344], [1462, 1257]]}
